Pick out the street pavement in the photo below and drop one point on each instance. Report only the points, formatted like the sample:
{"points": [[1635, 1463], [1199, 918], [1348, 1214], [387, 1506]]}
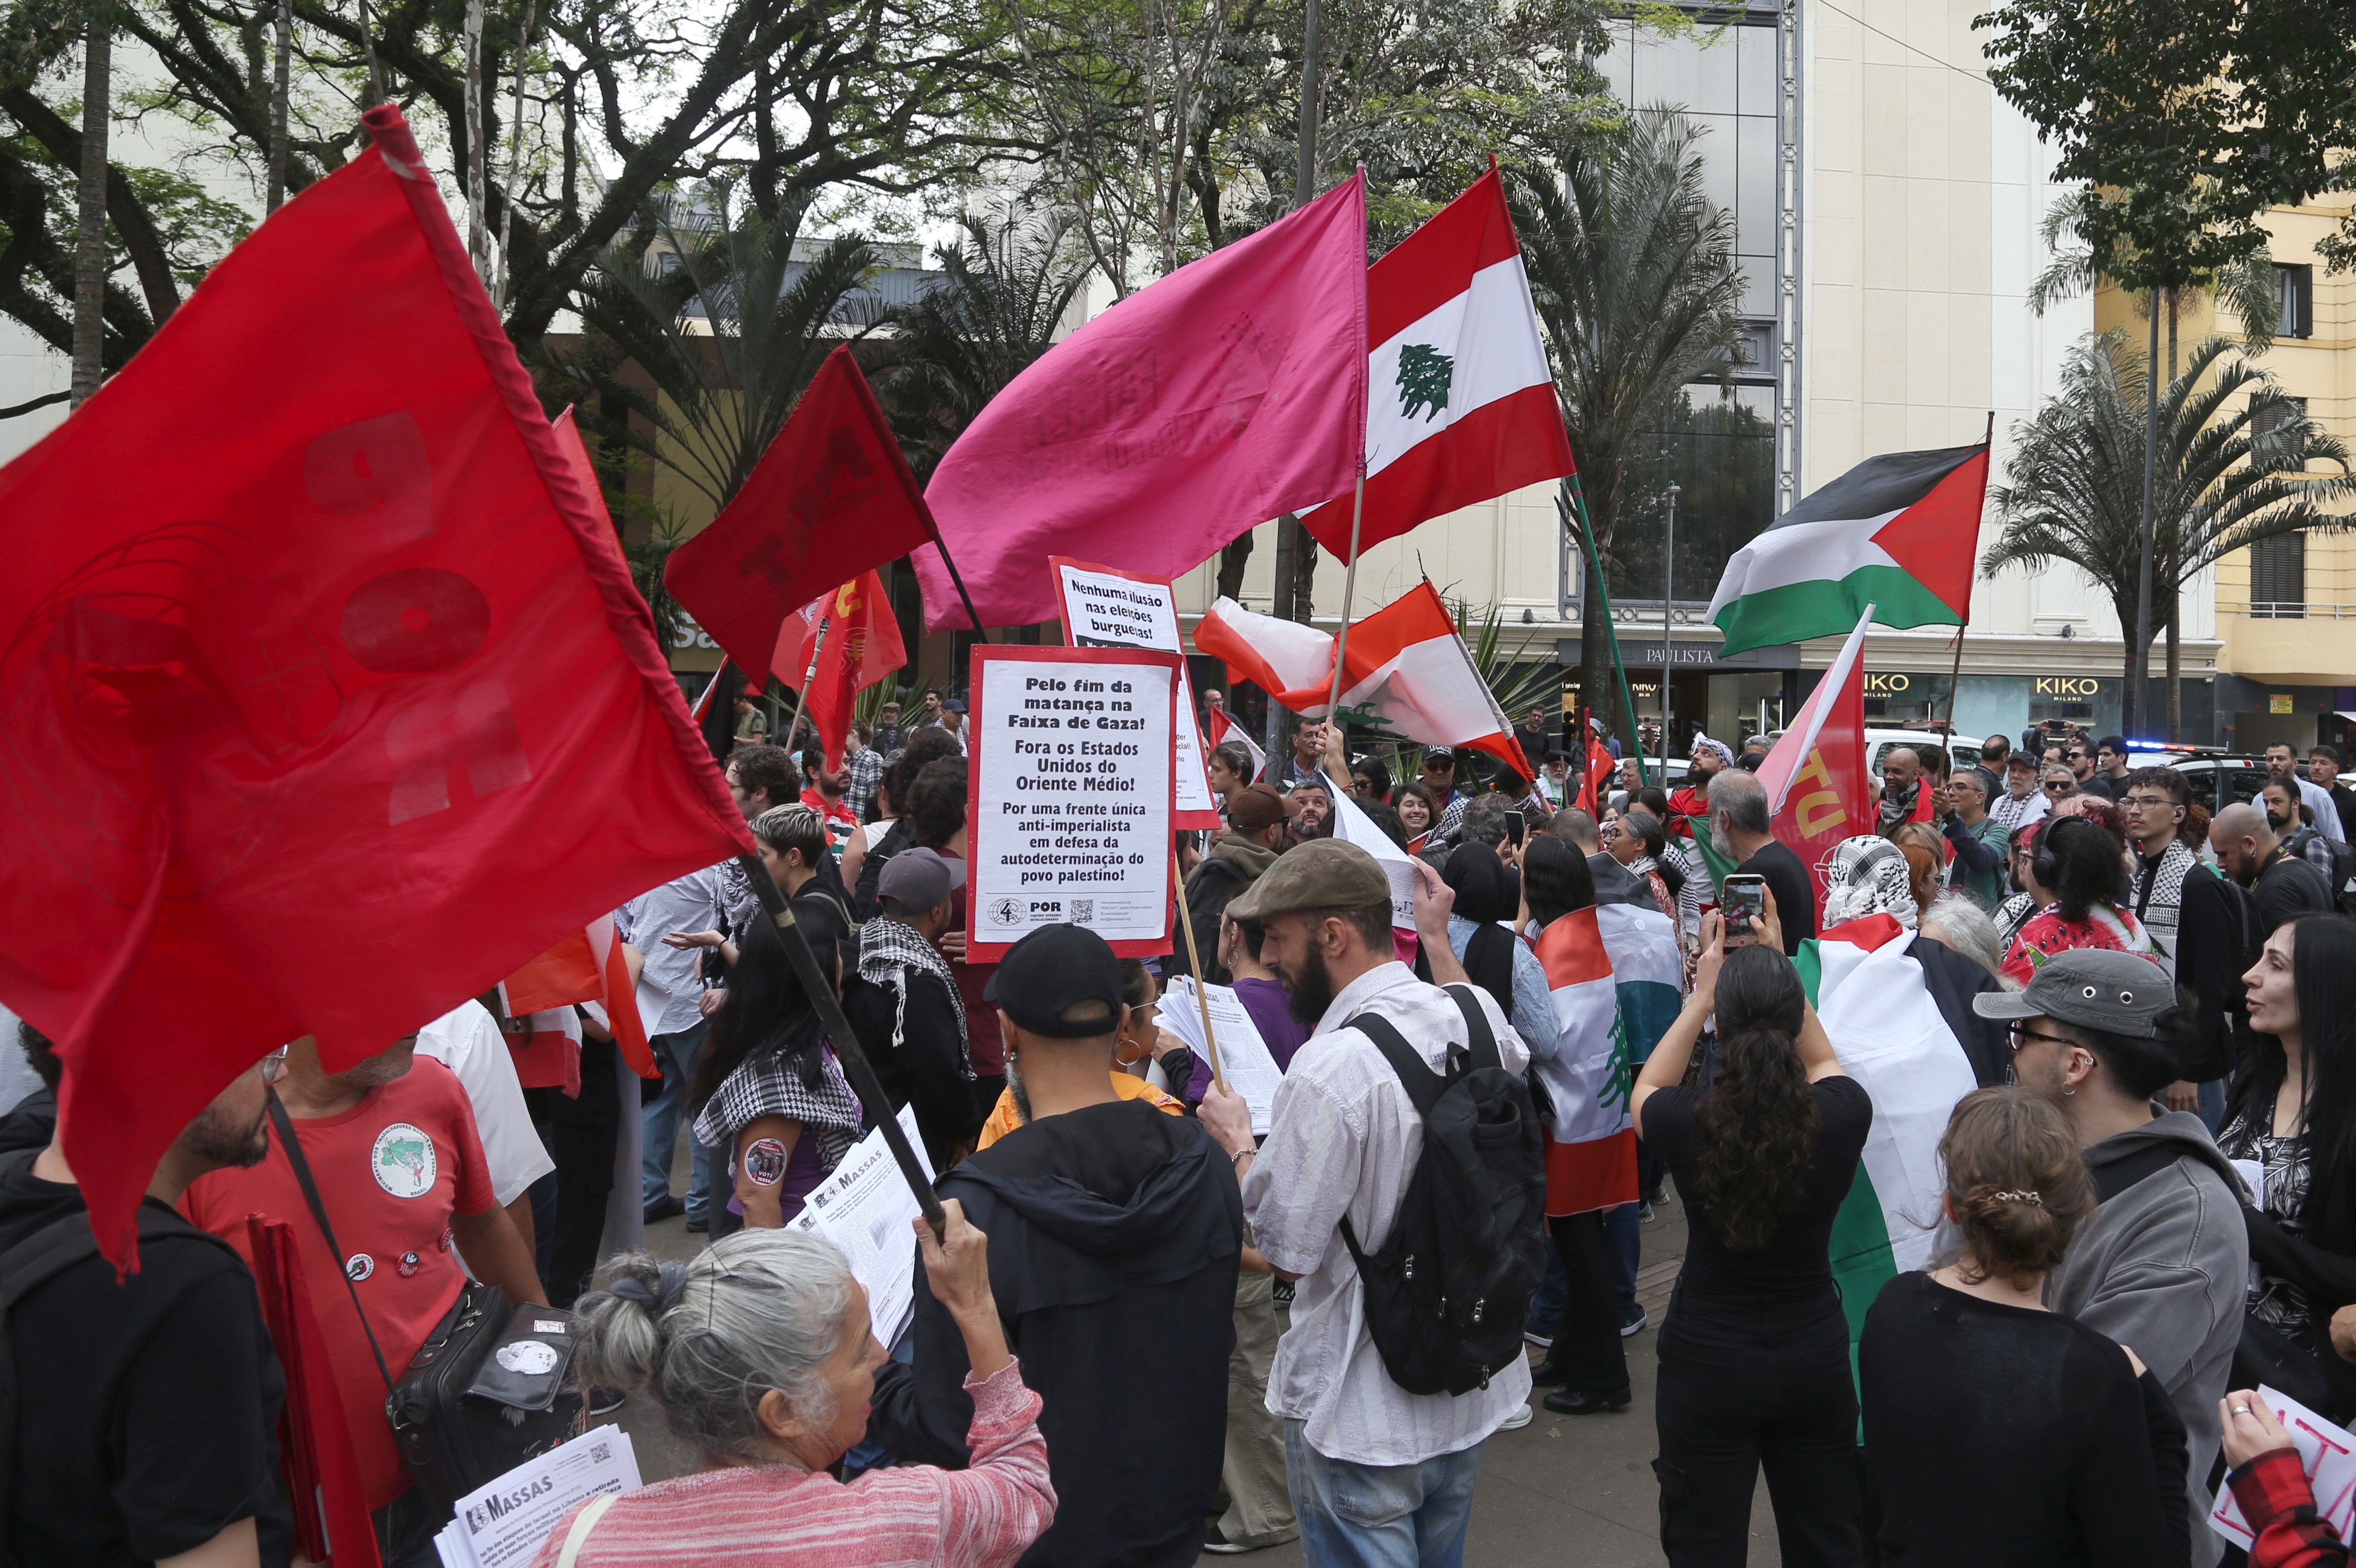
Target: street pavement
{"points": [[1563, 1492]]}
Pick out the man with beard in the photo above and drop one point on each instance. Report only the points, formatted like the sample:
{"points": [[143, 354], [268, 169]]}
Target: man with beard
{"points": [[2281, 762], [1901, 790], [1107, 1220], [2282, 806], [2163, 1263], [1378, 1475], [147, 1410], [392, 1148], [1709, 758]]}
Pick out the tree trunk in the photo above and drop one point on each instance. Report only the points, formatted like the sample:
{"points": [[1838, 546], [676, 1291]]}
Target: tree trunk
{"points": [[90, 247], [478, 240], [277, 194], [1232, 557], [2175, 683]]}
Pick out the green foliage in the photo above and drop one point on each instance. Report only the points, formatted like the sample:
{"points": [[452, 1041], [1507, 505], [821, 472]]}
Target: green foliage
{"points": [[649, 556], [1517, 681], [2233, 451], [1721, 457]]}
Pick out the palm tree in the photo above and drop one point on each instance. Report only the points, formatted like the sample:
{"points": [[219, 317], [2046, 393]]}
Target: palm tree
{"points": [[2232, 455], [1632, 267], [728, 336], [1005, 288]]}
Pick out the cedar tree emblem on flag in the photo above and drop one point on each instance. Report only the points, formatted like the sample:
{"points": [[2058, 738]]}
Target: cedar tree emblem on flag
{"points": [[1424, 373]]}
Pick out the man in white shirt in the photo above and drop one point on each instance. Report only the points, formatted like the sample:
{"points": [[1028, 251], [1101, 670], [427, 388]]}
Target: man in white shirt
{"points": [[1377, 1475], [468, 1041], [670, 1003], [2281, 762]]}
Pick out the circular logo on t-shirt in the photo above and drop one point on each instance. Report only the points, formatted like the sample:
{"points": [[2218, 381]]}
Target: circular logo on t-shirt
{"points": [[402, 1161], [359, 1266]]}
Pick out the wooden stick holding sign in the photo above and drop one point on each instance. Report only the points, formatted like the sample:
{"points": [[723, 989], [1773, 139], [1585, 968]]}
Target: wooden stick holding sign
{"points": [[1194, 963], [855, 1065]]}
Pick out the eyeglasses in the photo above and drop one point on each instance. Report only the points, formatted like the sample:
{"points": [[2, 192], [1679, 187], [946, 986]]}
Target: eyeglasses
{"points": [[2056, 785], [2147, 801], [2021, 1033]]}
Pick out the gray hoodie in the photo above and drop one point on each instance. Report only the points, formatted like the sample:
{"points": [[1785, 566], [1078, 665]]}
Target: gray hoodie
{"points": [[2163, 1267]]}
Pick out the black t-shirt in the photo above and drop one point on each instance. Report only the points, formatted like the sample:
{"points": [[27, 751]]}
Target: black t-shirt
{"points": [[1795, 1269], [1794, 890], [1999, 1436], [2287, 889], [146, 1412]]}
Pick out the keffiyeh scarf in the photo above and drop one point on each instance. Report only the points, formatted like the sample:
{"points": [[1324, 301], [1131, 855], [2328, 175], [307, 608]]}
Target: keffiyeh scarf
{"points": [[1870, 877], [1725, 752], [771, 1085], [888, 949], [2159, 896]]}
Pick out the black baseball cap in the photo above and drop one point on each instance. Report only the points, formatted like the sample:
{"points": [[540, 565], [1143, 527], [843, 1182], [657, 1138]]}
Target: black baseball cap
{"points": [[1053, 969]]}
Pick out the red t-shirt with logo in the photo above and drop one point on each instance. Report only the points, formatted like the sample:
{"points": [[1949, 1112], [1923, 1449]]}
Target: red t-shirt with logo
{"points": [[392, 1171]]}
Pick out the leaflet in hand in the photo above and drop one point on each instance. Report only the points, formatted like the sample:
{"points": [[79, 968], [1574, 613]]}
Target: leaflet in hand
{"points": [[505, 1524], [2328, 1455], [866, 1208], [1244, 1056]]}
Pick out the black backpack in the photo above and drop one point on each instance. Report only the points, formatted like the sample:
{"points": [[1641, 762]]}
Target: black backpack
{"points": [[1447, 1295], [864, 898]]}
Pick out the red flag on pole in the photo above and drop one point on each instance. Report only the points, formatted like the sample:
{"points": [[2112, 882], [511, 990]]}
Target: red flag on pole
{"points": [[1818, 792], [328, 699], [831, 498], [314, 1443], [863, 645]]}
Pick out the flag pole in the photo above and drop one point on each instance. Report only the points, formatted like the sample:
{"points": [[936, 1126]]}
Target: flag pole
{"points": [[855, 1065], [1955, 674], [1194, 963], [1577, 511], [801, 699], [956, 577], [1349, 587]]}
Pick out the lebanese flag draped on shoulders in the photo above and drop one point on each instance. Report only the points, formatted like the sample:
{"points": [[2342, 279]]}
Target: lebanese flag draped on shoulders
{"points": [[861, 646], [329, 700], [1818, 790], [1405, 673], [1461, 403], [1230, 391]]}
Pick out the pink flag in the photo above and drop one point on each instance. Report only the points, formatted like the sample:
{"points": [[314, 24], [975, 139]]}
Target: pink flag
{"points": [[1231, 390]]}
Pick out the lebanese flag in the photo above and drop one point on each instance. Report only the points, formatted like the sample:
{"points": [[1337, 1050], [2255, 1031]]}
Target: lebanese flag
{"points": [[863, 645], [1817, 790], [1227, 392], [830, 499], [329, 699], [1900, 531], [1407, 675], [1590, 1145], [1460, 397]]}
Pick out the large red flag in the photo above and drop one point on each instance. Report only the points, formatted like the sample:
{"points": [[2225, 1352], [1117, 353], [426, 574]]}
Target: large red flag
{"points": [[328, 699], [863, 645], [1230, 390], [1818, 792], [831, 498]]}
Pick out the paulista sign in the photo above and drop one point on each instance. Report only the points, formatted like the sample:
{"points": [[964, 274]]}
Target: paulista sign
{"points": [[1638, 654]]}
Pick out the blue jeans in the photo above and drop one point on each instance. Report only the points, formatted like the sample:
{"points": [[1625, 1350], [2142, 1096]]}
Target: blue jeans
{"points": [[2212, 1104], [1380, 1516], [677, 1056], [1546, 1307]]}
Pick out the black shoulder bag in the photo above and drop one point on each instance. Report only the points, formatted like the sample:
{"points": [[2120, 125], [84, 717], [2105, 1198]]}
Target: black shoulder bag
{"points": [[488, 1389]]}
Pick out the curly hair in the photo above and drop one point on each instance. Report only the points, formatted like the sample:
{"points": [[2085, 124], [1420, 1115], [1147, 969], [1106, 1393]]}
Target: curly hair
{"points": [[1757, 1122]]}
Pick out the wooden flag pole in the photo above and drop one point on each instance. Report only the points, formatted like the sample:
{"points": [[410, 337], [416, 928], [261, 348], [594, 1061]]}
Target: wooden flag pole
{"points": [[855, 1065], [1349, 589], [1194, 963]]}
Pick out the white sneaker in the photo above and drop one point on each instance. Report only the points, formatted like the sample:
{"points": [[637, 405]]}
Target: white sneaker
{"points": [[1518, 1420]]}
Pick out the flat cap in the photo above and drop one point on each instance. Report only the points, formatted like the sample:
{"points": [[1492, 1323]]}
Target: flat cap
{"points": [[1324, 873]]}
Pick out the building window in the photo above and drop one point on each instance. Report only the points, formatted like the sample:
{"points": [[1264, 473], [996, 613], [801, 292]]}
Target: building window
{"points": [[2279, 577], [2293, 301], [2264, 422]]}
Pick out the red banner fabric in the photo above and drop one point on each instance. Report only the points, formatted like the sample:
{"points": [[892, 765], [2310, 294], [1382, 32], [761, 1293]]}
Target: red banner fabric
{"points": [[863, 645], [329, 700], [831, 498]]}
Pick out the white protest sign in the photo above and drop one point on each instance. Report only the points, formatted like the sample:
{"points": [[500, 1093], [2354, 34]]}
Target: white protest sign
{"points": [[1106, 607], [1070, 794], [866, 1208], [2328, 1455], [505, 1524], [1244, 1058]]}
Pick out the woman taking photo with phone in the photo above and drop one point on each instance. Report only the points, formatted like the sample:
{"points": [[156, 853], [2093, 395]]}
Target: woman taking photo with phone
{"points": [[1754, 1352]]}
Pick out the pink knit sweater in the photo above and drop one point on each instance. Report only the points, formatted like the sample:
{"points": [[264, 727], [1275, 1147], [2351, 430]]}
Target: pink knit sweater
{"points": [[773, 1516]]}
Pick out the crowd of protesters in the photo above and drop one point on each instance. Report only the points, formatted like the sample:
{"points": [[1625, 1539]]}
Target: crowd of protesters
{"points": [[1145, 1332]]}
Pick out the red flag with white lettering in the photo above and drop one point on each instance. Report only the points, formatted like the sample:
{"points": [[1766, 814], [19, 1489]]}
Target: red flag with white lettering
{"points": [[328, 698], [1817, 790]]}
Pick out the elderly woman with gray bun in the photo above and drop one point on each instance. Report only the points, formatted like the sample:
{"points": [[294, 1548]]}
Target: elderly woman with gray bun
{"points": [[760, 1357]]}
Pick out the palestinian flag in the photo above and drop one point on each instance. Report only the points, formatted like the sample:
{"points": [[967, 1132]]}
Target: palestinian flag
{"points": [[1899, 531], [1591, 1149], [1460, 398], [1890, 1035]]}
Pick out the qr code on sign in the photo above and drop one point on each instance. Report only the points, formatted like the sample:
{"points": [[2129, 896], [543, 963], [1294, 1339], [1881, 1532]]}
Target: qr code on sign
{"points": [[1082, 911], [601, 1452]]}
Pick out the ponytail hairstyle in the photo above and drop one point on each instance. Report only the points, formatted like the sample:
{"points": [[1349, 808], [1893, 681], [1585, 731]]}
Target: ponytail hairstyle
{"points": [[2014, 1183], [708, 1339], [1757, 1122]]}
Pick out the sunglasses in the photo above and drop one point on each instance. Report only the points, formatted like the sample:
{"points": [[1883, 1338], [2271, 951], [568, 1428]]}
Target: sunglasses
{"points": [[2055, 785]]}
